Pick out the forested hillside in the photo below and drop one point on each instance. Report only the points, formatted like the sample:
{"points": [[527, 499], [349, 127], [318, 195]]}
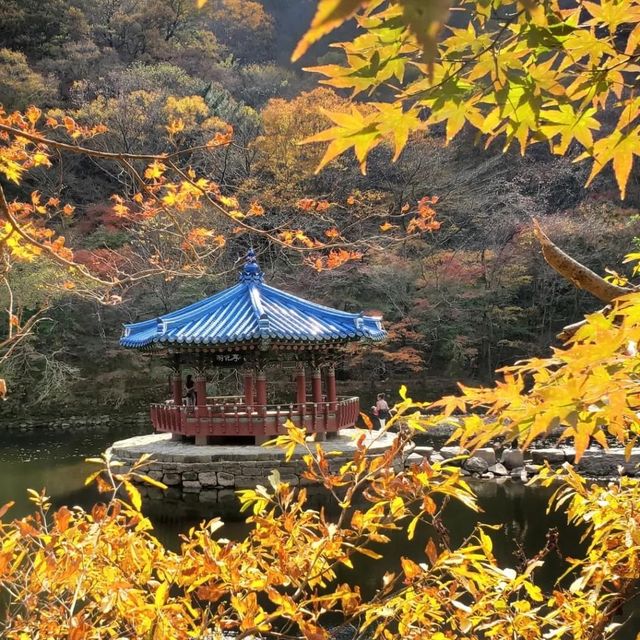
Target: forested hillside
{"points": [[458, 300]]}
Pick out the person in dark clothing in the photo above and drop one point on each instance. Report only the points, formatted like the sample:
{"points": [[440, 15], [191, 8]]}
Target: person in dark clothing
{"points": [[383, 412], [191, 391]]}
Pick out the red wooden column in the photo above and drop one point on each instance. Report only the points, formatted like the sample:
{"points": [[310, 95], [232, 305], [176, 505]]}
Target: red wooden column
{"points": [[201, 390], [261, 391], [176, 381], [319, 425], [200, 387], [176, 384], [301, 386], [248, 389], [332, 394], [316, 386]]}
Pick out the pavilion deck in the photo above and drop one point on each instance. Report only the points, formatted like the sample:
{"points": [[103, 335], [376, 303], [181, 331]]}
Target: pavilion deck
{"points": [[230, 416]]}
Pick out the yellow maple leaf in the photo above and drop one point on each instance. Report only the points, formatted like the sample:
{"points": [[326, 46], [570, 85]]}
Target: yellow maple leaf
{"points": [[175, 126], [155, 170], [329, 15]]}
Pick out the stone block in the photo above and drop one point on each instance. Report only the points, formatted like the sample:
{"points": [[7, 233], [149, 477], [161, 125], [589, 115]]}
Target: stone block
{"points": [[498, 469], [512, 458], [246, 482], [257, 472], [476, 465], [226, 479], [208, 479], [183, 468], [519, 474], [436, 457], [172, 479], [426, 452], [191, 486], [453, 452], [189, 475], [194, 458], [487, 454], [414, 458], [601, 463], [532, 469], [266, 464], [552, 456]]}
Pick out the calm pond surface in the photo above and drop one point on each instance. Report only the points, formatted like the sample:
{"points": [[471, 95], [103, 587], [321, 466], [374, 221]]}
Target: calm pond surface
{"points": [[55, 461]]}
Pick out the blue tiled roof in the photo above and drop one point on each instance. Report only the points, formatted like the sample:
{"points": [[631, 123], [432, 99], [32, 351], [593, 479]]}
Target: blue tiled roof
{"points": [[252, 311]]}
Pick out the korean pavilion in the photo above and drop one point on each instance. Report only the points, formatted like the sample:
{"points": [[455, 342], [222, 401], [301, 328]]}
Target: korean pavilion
{"points": [[254, 328]]}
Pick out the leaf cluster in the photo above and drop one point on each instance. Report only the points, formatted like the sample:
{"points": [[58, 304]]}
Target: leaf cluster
{"points": [[515, 71]]}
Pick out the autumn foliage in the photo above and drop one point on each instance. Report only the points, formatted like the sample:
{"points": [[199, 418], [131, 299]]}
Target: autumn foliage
{"points": [[515, 72], [82, 574]]}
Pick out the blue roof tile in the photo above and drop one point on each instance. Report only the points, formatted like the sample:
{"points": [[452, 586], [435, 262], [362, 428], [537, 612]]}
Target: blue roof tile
{"points": [[252, 311]]}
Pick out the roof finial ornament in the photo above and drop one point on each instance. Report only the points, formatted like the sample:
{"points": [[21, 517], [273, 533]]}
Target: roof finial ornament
{"points": [[251, 271]]}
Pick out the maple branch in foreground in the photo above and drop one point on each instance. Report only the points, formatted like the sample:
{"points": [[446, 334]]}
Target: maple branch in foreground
{"points": [[572, 270]]}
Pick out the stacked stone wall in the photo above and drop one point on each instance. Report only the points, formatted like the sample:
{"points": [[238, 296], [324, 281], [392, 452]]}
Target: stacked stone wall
{"points": [[214, 473]]}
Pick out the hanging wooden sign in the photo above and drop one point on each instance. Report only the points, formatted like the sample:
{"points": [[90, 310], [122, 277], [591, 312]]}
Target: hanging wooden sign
{"points": [[228, 359]]}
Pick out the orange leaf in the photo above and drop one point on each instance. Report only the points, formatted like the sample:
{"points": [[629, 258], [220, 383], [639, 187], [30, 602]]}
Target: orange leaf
{"points": [[61, 518], [410, 568], [7, 506], [431, 551]]}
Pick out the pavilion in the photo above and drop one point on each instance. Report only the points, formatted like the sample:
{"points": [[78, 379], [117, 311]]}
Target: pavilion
{"points": [[254, 328]]}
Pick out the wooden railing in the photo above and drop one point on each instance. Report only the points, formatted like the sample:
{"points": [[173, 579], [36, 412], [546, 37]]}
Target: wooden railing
{"points": [[348, 412], [222, 418]]}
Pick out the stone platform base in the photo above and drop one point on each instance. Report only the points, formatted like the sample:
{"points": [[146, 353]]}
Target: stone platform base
{"points": [[210, 475]]}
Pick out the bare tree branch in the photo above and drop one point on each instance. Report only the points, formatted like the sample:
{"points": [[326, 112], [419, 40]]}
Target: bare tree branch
{"points": [[579, 275]]}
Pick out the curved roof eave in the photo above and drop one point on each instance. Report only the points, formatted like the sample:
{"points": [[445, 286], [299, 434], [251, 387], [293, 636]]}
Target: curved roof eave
{"points": [[252, 311]]}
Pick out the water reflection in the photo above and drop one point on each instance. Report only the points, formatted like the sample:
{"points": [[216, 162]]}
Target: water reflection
{"points": [[53, 461]]}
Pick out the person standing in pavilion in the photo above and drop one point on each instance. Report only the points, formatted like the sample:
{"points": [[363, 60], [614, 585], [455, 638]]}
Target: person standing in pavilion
{"points": [[191, 392]]}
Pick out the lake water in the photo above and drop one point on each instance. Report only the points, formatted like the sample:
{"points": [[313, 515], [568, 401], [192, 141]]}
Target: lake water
{"points": [[55, 461]]}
